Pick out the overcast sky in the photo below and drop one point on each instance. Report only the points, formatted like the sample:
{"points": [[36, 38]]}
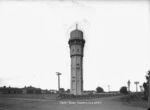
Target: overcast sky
{"points": [[34, 43]]}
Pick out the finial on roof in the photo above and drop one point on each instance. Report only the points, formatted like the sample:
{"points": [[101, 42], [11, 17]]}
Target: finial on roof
{"points": [[76, 26]]}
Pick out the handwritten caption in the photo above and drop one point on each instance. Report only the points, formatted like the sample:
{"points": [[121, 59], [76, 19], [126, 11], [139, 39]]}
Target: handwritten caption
{"points": [[80, 102]]}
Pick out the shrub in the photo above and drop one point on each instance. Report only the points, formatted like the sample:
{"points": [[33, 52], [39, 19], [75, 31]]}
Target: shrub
{"points": [[99, 90], [123, 90]]}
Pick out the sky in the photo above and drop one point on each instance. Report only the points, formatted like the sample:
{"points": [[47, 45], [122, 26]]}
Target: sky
{"points": [[34, 42]]}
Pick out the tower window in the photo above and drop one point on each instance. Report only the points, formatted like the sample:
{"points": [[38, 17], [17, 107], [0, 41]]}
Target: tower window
{"points": [[77, 50], [72, 50], [78, 68]]}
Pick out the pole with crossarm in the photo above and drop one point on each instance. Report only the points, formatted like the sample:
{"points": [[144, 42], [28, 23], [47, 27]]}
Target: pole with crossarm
{"points": [[58, 74], [136, 83]]}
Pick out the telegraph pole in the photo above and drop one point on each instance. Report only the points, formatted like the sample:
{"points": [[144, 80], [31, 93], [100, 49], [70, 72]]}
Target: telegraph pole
{"points": [[129, 85], [58, 74], [108, 88], [141, 88], [136, 83]]}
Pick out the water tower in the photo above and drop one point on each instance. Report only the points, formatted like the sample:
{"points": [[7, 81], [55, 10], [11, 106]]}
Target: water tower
{"points": [[76, 43]]}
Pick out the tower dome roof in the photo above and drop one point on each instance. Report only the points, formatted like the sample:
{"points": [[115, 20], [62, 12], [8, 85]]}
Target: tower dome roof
{"points": [[76, 34]]}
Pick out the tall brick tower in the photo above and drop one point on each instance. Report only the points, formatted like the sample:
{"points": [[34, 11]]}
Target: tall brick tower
{"points": [[76, 43]]}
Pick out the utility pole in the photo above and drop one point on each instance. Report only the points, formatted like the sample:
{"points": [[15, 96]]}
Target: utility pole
{"points": [[129, 85], [141, 88], [136, 83], [58, 74], [108, 88]]}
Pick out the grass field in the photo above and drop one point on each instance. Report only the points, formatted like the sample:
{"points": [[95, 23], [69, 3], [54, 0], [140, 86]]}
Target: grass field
{"points": [[45, 102], [29, 96], [135, 99], [49, 102], [53, 96]]}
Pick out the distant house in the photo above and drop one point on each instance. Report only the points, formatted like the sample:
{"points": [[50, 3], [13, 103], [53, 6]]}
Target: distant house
{"points": [[9, 90], [25, 90], [53, 91], [45, 92], [31, 90], [89, 92]]}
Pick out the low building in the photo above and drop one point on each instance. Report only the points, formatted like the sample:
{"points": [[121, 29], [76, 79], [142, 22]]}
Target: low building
{"points": [[31, 90], [45, 91], [52, 91], [25, 90], [89, 92], [9, 90]]}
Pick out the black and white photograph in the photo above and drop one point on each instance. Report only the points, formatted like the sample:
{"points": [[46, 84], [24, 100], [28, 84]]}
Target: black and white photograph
{"points": [[74, 54]]}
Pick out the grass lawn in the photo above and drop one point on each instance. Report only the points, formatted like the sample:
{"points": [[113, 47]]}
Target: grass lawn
{"points": [[134, 99], [29, 96]]}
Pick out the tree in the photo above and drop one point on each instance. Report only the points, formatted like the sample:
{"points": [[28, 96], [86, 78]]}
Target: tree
{"points": [[123, 90], [145, 86], [99, 90], [68, 90]]}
